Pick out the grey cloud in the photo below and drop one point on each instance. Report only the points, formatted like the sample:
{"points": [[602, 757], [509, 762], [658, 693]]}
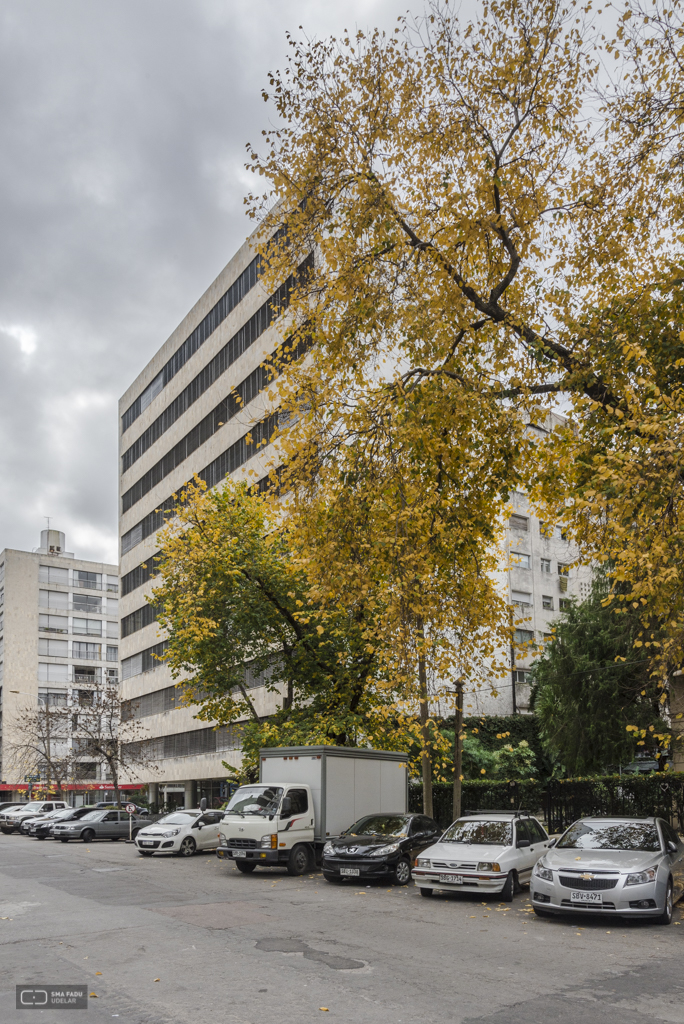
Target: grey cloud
{"points": [[122, 134]]}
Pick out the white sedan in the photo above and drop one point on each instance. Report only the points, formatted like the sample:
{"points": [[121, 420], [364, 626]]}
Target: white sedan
{"points": [[181, 832], [491, 852]]}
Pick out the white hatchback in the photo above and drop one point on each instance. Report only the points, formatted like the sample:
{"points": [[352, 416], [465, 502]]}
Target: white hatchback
{"points": [[489, 853], [181, 832]]}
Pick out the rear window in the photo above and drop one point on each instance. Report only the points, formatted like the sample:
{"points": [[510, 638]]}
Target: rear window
{"points": [[479, 833], [613, 835]]}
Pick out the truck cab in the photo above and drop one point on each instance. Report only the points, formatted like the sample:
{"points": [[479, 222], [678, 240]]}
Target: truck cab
{"points": [[268, 824]]}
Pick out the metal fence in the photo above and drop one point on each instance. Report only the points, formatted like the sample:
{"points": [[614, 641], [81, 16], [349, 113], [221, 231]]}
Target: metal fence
{"points": [[559, 802]]}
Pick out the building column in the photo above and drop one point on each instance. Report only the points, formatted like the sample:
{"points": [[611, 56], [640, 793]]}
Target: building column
{"points": [[153, 793], [190, 794]]}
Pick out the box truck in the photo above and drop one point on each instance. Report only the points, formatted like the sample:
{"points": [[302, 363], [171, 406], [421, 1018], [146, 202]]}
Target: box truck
{"points": [[304, 796]]}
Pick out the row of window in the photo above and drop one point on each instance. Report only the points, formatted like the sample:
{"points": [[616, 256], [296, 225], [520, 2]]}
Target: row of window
{"points": [[524, 599], [522, 561], [52, 672], [62, 600], [143, 661], [216, 315], [190, 744], [227, 462], [241, 341], [546, 530], [227, 408], [77, 650], [138, 619], [77, 626], [80, 578]]}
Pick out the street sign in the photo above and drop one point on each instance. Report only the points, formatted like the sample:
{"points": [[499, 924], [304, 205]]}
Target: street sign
{"points": [[32, 778], [130, 808]]}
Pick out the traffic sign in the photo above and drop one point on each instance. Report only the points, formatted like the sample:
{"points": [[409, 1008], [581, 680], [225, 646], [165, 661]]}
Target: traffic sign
{"points": [[130, 808]]}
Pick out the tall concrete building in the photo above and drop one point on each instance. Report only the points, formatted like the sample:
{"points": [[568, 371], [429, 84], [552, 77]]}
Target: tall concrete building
{"points": [[199, 406], [59, 634]]}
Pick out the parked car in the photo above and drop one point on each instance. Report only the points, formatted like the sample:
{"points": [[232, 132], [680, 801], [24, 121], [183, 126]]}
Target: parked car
{"points": [[41, 828], [50, 816], [379, 846], [11, 819], [181, 832], [491, 852], [17, 803], [98, 824], [630, 867], [124, 803]]}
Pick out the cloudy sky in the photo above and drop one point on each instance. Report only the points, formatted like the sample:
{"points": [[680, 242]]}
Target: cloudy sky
{"points": [[122, 132]]}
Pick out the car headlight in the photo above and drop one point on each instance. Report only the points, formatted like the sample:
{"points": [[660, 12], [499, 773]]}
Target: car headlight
{"points": [[542, 872], [269, 842], [328, 849], [641, 877], [423, 862], [171, 832], [384, 851], [486, 865], [222, 840]]}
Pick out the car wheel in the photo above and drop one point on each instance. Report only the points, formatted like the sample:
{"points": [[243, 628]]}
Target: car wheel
{"points": [[8, 831], [114, 839], [39, 837], [88, 835], [245, 866], [506, 895], [542, 913], [187, 847], [402, 872], [145, 853], [134, 833], [298, 861], [426, 892], [666, 916]]}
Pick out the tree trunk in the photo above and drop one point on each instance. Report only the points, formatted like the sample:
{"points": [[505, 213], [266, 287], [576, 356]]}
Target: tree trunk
{"points": [[424, 731], [458, 749], [115, 780]]}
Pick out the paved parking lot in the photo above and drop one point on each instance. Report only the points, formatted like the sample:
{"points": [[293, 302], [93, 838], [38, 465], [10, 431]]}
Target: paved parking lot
{"points": [[170, 941]]}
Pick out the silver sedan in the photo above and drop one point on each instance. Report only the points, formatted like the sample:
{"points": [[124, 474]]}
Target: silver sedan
{"points": [[629, 867]]}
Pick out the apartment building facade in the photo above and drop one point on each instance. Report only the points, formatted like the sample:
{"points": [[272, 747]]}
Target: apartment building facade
{"points": [[59, 630], [199, 406]]}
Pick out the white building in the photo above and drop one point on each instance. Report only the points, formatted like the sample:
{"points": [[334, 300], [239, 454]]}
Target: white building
{"points": [[180, 417], [58, 634]]}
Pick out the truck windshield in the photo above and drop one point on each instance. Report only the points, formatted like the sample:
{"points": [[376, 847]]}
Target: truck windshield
{"points": [[261, 800]]}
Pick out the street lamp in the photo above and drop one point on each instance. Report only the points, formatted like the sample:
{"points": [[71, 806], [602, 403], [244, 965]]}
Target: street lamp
{"points": [[47, 732]]}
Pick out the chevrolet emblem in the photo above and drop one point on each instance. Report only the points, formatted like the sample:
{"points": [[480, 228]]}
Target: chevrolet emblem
{"points": [[587, 877]]}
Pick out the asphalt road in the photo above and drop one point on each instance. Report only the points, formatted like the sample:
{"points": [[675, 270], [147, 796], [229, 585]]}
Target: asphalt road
{"points": [[170, 941]]}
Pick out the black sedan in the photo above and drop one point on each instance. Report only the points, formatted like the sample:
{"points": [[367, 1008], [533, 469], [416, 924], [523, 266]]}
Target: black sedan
{"points": [[379, 847]]}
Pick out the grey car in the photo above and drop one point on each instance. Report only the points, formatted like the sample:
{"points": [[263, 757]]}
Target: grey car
{"points": [[626, 867], [103, 824]]}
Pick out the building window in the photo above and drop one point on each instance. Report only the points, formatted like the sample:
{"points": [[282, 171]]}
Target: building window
{"points": [[140, 575], [521, 598], [521, 675], [112, 653], [144, 661], [112, 584], [87, 652], [52, 648], [547, 603], [563, 570], [86, 627], [53, 623], [87, 580], [565, 603], [519, 560], [48, 673], [52, 697], [86, 603], [524, 636], [86, 674], [53, 599], [138, 619], [546, 565], [53, 574], [521, 523], [112, 630]]}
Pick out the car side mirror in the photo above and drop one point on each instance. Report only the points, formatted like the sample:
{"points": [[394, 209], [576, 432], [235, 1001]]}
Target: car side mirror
{"points": [[522, 843], [552, 843], [286, 807], [671, 846]]}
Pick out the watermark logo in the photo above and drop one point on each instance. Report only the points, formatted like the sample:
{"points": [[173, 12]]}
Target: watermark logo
{"points": [[52, 997]]}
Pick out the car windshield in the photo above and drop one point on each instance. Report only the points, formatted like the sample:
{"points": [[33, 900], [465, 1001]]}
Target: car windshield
{"points": [[611, 835], [92, 816], [380, 825], [479, 833], [260, 800], [178, 818], [29, 807]]}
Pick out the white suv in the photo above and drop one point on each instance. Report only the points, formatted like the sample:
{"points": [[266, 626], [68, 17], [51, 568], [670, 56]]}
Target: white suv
{"points": [[11, 819], [492, 852]]}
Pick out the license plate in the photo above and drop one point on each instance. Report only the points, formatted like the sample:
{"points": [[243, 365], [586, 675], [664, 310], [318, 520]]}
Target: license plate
{"points": [[352, 872], [586, 897], [454, 879], [146, 842], [239, 853]]}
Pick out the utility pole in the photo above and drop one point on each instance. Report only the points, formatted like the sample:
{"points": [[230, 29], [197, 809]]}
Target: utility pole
{"points": [[424, 731]]}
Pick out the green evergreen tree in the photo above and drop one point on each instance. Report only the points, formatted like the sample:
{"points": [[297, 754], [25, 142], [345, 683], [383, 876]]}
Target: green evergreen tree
{"points": [[592, 683]]}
